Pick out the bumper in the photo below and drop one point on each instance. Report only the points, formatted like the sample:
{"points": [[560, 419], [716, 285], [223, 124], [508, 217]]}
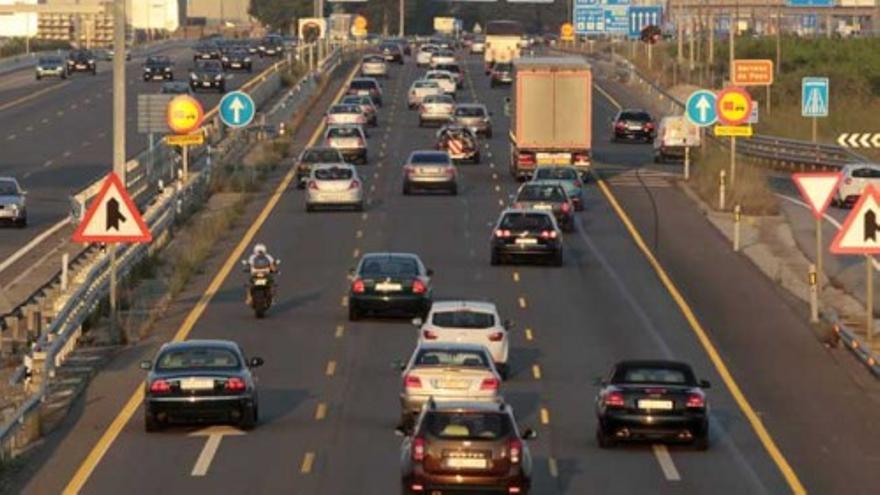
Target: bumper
{"points": [[632, 134], [50, 72], [407, 304], [334, 198], [527, 249], [435, 118], [205, 84], [430, 182], [412, 404], [672, 151], [184, 409], [626, 425], [353, 153], [374, 73], [467, 483]]}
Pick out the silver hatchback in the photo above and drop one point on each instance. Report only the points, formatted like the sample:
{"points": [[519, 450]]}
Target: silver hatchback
{"points": [[436, 109], [334, 185], [430, 170], [12, 202], [474, 116]]}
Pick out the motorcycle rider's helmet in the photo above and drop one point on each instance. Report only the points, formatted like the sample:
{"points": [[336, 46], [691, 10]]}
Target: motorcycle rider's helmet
{"points": [[260, 248]]}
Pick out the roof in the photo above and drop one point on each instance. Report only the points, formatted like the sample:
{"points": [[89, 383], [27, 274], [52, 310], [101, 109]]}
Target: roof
{"points": [[390, 255], [451, 305], [573, 63]]}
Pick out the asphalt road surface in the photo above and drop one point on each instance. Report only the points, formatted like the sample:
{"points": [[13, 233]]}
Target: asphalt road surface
{"points": [[56, 134], [328, 397]]}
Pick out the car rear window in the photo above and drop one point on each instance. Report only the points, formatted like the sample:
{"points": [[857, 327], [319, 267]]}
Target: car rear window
{"points": [[449, 67], [197, 358], [8, 188], [438, 99], [345, 109], [653, 375], [503, 67], [333, 173], [362, 84], [637, 116], [429, 159], [866, 173], [385, 266], [541, 193], [426, 84], [526, 221], [470, 112], [561, 173], [321, 155], [452, 357], [468, 425], [343, 132], [463, 319]]}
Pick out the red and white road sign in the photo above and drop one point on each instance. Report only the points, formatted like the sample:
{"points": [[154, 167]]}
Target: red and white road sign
{"points": [[860, 233], [112, 217], [455, 147], [817, 189]]}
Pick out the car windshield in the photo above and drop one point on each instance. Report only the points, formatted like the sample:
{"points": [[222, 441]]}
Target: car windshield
{"points": [[321, 156], [50, 61], [429, 159], [503, 67], [333, 173], [653, 375], [158, 60], [374, 59], [554, 173], [174, 88], [8, 188], [426, 84], [636, 116], [470, 112], [866, 173], [389, 266], [343, 132], [526, 221], [468, 425], [439, 75], [541, 193], [463, 319], [438, 99], [197, 358], [452, 357], [209, 67], [345, 109], [362, 84]]}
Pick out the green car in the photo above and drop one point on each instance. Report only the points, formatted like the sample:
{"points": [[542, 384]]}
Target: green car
{"points": [[568, 178]]}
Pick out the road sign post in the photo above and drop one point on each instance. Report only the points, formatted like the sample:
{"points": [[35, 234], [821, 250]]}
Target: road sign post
{"points": [[734, 107], [814, 101]]}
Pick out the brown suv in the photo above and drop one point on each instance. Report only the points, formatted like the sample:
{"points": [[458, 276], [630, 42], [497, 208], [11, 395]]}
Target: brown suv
{"points": [[466, 446]]}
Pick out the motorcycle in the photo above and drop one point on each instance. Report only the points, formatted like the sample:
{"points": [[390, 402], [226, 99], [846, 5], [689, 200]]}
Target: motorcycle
{"points": [[261, 288]]}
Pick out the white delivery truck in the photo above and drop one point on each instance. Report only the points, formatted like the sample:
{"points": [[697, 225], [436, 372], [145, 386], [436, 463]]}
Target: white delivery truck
{"points": [[502, 42], [674, 134]]}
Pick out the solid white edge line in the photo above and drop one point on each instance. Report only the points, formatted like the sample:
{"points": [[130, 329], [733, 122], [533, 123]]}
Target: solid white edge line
{"points": [[32, 244], [661, 452], [207, 455]]}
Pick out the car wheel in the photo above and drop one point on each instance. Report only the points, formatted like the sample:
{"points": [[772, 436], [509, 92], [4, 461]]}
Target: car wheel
{"points": [[39, 77], [701, 442], [495, 258], [354, 314], [489, 134], [309, 208], [453, 191], [406, 190], [492, 84], [477, 158], [557, 258], [421, 123], [503, 370], [604, 440], [248, 418], [22, 223], [359, 206], [151, 424]]}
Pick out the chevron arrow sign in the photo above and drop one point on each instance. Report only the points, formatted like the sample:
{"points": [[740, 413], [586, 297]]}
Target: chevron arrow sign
{"points": [[859, 140]]}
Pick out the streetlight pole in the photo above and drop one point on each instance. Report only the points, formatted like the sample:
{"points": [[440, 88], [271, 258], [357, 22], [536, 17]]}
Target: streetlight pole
{"points": [[402, 25], [119, 89]]}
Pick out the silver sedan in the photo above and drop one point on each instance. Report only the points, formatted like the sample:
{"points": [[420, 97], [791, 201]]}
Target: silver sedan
{"points": [[334, 185]]}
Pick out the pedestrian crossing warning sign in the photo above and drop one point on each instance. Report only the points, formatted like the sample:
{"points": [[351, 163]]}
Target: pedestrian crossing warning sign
{"points": [[860, 233], [112, 217]]}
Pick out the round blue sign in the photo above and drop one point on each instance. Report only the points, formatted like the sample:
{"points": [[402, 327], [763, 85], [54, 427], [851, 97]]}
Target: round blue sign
{"points": [[237, 109], [700, 108]]}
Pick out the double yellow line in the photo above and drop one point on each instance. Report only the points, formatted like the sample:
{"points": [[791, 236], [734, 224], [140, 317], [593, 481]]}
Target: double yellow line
{"points": [[88, 465]]}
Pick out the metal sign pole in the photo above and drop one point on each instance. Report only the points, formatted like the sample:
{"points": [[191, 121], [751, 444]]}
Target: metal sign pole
{"points": [[819, 253], [869, 272], [732, 160], [687, 163], [112, 247], [815, 129], [185, 153]]}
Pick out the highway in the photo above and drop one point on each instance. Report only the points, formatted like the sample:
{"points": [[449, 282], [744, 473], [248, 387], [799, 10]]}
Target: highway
{"points": [[328, 397], [56, 134]]}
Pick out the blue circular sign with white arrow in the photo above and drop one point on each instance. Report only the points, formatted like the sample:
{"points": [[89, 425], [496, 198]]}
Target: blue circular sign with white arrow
{"points": [[237, 109], [700, 108]]}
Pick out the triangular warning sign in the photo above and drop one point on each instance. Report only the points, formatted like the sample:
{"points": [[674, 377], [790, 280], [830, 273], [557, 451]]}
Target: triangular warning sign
{"points": [[860, 233], [817, 189], [112, 217]]}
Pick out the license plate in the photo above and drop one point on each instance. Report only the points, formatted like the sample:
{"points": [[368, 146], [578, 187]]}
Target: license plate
{"points": [[388, 287], [236, 65], [543, 207], [453, 384], [655, 405], [81, 66], [429, 171], [456, 462], [206, 84], [197, 383], [634, 127], [261, 281], [553, 158], [526, 242]]}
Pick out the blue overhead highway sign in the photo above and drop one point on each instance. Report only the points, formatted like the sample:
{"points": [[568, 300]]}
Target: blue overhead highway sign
{"points": [[237, 109], [700, 108], [642, 16], [811, 3], [589, 20], [814, 97]]}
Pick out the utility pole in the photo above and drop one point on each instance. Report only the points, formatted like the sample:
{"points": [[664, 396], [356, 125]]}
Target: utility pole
{"points": [[731, 40], [778, 39], [402, 14], [118, 138]]}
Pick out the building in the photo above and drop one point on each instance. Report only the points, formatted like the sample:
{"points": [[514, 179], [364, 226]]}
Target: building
{"points": [[220, 11], [158, 15], [12, 25]]}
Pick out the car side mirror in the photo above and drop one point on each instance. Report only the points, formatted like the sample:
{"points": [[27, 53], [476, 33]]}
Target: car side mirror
{"points": [[599, 381], [146, 365], [530, 434], [417, 322], [398, 365], [705, 384], [255, 362], [402, 431], [508, 324], [430, 272]]}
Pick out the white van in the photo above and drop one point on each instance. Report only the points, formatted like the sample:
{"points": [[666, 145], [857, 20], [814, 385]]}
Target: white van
{"points": [[674, 134]]}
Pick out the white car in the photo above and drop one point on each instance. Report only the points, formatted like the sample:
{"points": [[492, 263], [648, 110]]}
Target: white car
{"points": [[436, 109], [345, 114], [442, 57], [447, 81], [334, 185], [350, 140], [478, 45], [469, 322], [374, 66], [420, 89], [423, 57], [855, 178]]}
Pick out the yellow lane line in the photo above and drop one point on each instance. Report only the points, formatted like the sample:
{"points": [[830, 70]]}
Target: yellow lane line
{"points": [[307, 463], [536, 371], [769, 444], [31, 96], [529, 334], [340, 331], [321, 411], [331, 368], [545, 416], [522, 302], [344, 301], [607, 96], [88, 465], [516, 276], [554, 468]]}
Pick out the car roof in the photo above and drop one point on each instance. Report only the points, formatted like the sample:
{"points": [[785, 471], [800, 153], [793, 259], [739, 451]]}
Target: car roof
{"points": [[381, 254], [653, 363], [196, 343], [466, 406], [525, 211], [852, 166], [332, 165], [430, 152], [451, 346], [452, 305]]}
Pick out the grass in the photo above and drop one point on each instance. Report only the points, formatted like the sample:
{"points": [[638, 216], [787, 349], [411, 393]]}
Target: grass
{"points": [[751, 189], [16, 46]]}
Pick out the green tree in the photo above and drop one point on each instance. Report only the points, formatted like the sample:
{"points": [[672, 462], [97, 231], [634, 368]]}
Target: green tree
{"points": [[280, 15]]}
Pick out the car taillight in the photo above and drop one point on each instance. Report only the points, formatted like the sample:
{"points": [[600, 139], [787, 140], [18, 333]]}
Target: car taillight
{"points": [[361, 142], [421, 108], [848, 181], [354, 184], [489, 384], [548, 234], [449, 171], [358, 286], [620, 124], [419, 287], [502, 233], [409, 169], [496, 336], [581, 158], [412, 381], [429, 335], [613, 399], [418, 449], [525, 159], [328, 142], [235, 385], [160, 387], [313, 185], [649, 125], [566, 207], [696, 400], [514, 448], [578, 183]]}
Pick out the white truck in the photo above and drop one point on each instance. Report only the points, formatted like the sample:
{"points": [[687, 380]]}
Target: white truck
{"points": [[502, 42]]}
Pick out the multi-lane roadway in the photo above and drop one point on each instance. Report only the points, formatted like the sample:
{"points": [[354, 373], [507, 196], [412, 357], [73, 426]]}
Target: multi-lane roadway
{"points": [[328, 397]]}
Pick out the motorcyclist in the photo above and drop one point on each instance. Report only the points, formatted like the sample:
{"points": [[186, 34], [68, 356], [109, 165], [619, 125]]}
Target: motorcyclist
{"points": [[261, 262]]}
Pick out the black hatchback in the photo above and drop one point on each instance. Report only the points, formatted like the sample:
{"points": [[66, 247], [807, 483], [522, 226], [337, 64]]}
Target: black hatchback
{"points": [[634, 125], [390, 283], [652, 400], [200, 381], [526, 234]]}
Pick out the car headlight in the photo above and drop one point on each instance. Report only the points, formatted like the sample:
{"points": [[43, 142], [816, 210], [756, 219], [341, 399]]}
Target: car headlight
{"points": [[226, 59], [218, 77], [14, 208], [167, 69], [247, 60], [91, 61], [193, 76]]}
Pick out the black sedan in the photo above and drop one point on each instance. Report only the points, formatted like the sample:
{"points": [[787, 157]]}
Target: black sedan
{"points": [[522, 234], [390, 283], [200, 380], [238, 59], [158, 67], [652, 400], [634, 125]]}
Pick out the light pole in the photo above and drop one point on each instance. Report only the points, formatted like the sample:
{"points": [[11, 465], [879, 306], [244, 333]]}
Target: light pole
{"points": [[402, 18]]}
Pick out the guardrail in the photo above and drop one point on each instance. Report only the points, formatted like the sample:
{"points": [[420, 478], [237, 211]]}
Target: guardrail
{"points": [[90, 285], [776, 152], [858, 347], [18, 62]]}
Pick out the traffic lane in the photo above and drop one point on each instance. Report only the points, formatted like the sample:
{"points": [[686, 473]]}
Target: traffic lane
{"points": [[772, 351], [64, 450]]}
